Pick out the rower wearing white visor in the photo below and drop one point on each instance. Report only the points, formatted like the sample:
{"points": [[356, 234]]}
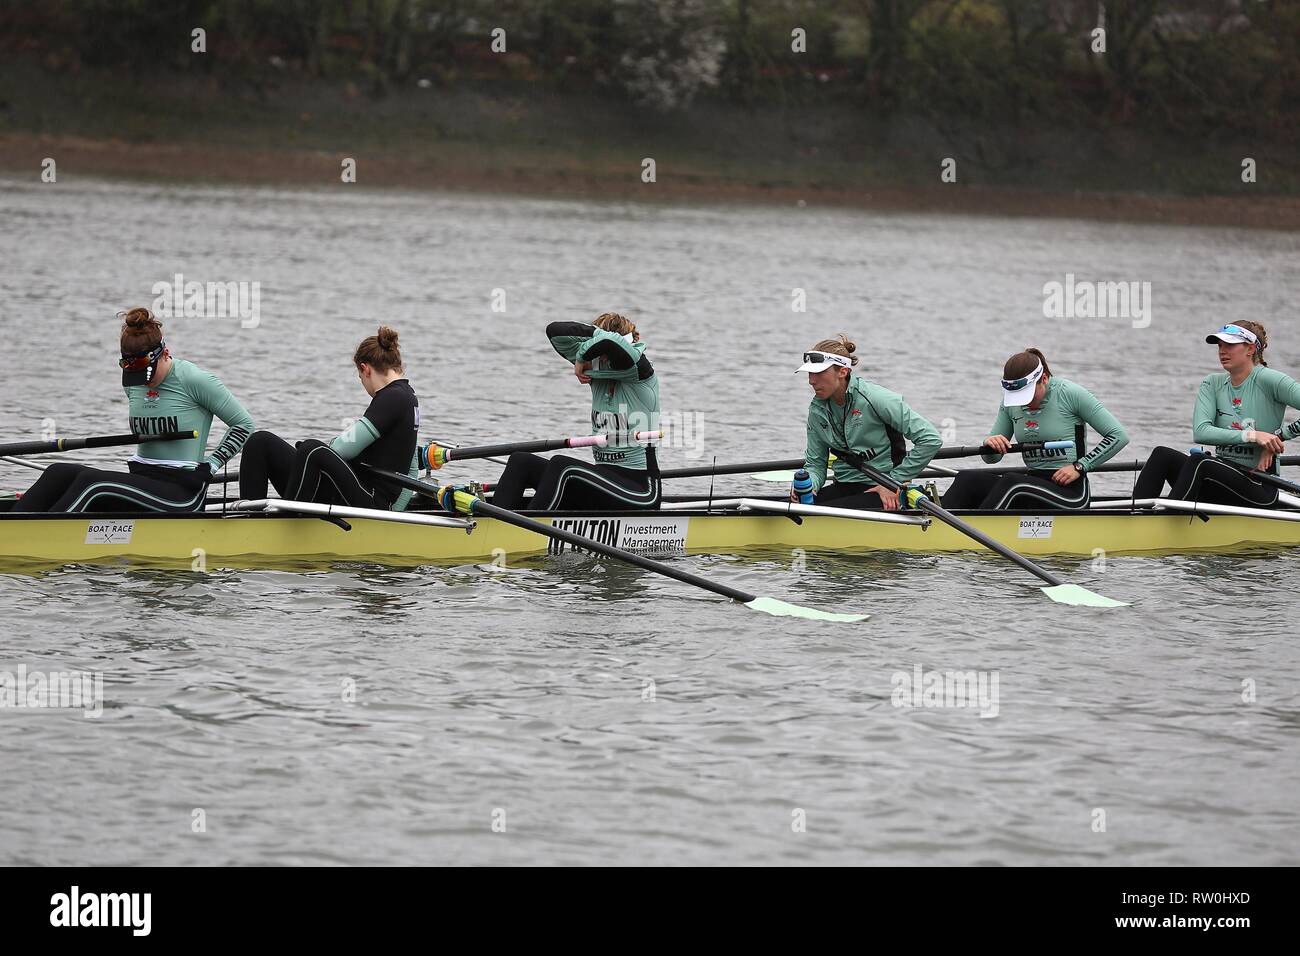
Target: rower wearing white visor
{"points": [[1239, 411], [861, 423], [1051, 415]]}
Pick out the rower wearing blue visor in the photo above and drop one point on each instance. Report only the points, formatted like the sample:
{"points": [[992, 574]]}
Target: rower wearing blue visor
{"points": [[1240, 412]]}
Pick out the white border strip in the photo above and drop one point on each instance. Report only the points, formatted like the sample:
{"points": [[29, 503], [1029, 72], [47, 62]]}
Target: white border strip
{"points": [[857, 514], [340, 511]]}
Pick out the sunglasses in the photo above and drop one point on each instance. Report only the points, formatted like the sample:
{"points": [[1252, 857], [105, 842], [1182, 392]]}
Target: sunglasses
{"points": [[134, 363], [1238, 330], [1015, 384], [819, 358]]}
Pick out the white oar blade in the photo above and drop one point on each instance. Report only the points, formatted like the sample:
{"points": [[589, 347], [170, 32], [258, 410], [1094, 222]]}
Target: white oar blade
{"points": [[785, 609], [772, 476], [1080, 596]]}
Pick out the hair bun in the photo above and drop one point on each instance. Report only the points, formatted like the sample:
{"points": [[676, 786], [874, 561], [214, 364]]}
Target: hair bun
{"points": [[139, 318], [387, 338]]}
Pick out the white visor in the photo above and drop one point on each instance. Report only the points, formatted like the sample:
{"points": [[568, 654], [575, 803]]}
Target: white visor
{"points": [[1020, 391], [820, 361], [1233, 335]]}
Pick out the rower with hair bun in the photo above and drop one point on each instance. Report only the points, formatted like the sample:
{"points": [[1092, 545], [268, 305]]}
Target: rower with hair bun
{"points": [[165, 395], [608, 356], [863, 424], [384, 437]]}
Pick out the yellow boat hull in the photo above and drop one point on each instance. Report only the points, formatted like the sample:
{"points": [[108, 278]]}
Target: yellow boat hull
{"points": [[259, 539]]}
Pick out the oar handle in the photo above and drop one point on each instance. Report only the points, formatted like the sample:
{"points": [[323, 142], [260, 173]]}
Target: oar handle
{"points": [[968, 451], [98, 441]]}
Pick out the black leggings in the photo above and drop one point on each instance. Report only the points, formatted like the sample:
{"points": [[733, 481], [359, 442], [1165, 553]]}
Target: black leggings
{"points": [[1201, 478], [849, 494], [67, 487], [570, 484], [312, 471], [995, 489]]}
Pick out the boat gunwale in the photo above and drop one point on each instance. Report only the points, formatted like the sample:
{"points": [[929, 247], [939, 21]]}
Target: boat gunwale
{"points": [[611, 513]]}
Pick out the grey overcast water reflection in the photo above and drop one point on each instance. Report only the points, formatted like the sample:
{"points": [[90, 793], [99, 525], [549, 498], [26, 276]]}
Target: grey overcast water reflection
{"points": [[604, 715]]}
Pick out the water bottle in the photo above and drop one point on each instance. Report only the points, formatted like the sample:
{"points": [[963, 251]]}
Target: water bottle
{"points": [[803, 486]]}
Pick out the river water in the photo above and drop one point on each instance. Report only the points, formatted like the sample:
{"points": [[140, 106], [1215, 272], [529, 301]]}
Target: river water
{"points": [[572, 711]]}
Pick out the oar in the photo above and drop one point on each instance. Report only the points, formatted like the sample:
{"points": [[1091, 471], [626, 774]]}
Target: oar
{"points": [[780, 470], [452, 444], [704, 471], [787, 465], [25, 464], [969, 451], [1059, 591], [101, 441], [439, 455], [473, 505], [1266, 478]]}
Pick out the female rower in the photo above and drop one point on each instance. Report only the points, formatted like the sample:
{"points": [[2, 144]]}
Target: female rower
{"points": [[1036, 408], [860, 422], [1240, 412], [610, 357], [385, 437], [163, 395]]}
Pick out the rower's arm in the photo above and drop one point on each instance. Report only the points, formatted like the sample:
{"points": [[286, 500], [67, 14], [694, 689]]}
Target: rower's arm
{"points": [[923, 436], [355, 439], [817, 451], [213, 395], [1002, 425], [1113, 435], [622, 360], [568, 337], [1286, 391], [1204, 416]]}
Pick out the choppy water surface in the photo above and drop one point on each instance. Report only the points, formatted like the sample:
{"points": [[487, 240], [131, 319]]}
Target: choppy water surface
{"points": [[367, 715]]}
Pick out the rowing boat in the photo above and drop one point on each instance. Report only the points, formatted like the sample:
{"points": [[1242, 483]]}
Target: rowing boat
{"points": [[288, 533]]}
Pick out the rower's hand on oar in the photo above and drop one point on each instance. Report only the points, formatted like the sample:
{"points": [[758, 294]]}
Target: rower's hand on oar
{"points": [[887, 498], [580, 370], [1265, 440], [1265, 461], [998, 443]]}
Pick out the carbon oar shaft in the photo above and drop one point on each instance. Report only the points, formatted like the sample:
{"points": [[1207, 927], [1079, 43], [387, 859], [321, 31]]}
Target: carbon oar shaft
{"points": [[100, 441], [479, 506], [1060, 591], [464, 452], [704, 471]]}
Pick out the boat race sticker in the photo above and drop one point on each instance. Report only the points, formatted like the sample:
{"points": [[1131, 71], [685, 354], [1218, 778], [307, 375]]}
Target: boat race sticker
{"points": [[1039, 526], [109, 532], [649, 536]]}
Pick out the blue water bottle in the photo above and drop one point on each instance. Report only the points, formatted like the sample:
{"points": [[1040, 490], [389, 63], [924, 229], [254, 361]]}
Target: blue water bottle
{"points": [[803, 486]]}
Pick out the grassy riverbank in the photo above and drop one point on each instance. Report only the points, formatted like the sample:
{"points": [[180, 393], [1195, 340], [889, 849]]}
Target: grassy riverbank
{"points": [[519, 137]]}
